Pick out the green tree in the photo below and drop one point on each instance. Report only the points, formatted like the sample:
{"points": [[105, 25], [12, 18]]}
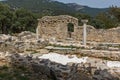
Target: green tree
{"points": [[115, 13], [24, 20], [6, 18], [104, 21], [81, 16]]}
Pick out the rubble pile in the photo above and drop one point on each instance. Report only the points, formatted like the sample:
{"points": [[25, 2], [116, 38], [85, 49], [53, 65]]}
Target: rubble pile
{"points": [[57, 71]]}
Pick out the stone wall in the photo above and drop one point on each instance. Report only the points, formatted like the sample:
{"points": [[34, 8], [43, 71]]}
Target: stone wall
{"points": [[56, 27], [100, 35], [24, 41]]}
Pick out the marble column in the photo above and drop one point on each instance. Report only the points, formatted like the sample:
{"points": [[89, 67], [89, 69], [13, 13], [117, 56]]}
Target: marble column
{"points": [[37, 33], [84, 32], [37, 30]]}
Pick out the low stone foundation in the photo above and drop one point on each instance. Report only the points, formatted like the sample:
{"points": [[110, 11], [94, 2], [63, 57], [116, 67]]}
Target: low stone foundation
{"points": [[56, 71], [53, 70]]}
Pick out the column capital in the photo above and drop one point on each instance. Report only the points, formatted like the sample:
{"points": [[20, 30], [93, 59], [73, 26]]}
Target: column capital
{"points": [[84, 21]]}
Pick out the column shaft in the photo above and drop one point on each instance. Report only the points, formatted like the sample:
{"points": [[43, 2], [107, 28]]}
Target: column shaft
{"points": [[84, 34]]}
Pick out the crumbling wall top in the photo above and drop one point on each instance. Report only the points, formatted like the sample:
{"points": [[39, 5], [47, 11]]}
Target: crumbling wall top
{"points": [[55, 18]]}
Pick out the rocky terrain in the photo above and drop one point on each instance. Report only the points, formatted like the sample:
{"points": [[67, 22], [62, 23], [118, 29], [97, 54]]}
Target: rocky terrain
{"points": [[22, 57]]}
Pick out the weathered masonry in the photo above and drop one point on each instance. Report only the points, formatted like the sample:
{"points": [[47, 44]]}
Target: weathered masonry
{"points": [[58, 27], [66, 27]]}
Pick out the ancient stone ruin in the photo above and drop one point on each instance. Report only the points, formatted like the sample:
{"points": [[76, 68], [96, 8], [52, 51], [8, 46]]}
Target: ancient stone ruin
{"points": [[58, 27], [66, 27], [62, 35], [56, 71]]}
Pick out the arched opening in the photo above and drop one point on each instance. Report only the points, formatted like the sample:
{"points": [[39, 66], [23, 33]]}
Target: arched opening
{"points": [[70, 29]]}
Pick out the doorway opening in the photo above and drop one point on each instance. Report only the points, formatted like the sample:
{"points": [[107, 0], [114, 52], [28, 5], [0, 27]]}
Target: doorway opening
{"points": [[70, 27]]}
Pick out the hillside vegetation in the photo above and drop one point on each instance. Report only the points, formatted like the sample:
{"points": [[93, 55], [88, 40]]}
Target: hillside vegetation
{"points": [[21, 15], [52, 7]]}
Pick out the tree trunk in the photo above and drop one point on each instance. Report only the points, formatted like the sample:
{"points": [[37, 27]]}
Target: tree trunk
{"points": [[4, 28]]}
